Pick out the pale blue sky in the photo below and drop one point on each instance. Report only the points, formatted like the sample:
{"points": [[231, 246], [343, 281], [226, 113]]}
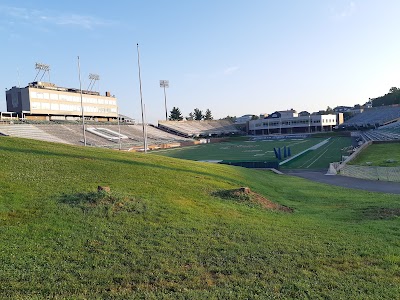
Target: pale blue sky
{"points": [[233, 57]]}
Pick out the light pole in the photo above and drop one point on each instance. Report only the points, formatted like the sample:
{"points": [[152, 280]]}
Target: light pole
{"points": [[141, 103], [82, 108], [165, 84]]}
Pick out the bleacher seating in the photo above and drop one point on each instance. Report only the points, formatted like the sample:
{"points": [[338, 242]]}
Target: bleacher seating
{"points": [[373, 117], [200, 128], [29, 131], [71, 133], [388, 132]]}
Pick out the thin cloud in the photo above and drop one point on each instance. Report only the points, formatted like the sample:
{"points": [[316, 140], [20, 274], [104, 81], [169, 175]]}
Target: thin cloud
{"points": [[346, 12], [39, 17], [231, 70]]}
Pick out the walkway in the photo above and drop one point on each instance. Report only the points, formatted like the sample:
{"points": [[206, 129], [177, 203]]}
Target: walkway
{"points": [[348, 182]]}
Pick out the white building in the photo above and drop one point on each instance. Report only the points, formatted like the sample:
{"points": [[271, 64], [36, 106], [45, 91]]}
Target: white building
{"points": [[294, 124], [46, 101]]}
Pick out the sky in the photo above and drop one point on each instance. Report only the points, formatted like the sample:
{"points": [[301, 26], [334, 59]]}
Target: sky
{"points": [[232, 57]]}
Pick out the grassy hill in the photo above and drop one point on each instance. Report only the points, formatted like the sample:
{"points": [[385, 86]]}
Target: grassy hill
{"points": [[382, 155], [164, 232]]}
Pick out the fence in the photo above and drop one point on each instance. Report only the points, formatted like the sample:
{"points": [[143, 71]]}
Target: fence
{"points": [[372, 173]]}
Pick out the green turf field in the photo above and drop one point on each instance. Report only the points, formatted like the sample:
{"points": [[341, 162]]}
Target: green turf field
{"points": [[321, 157], [382, 155], [263, 151], [164, 233]]}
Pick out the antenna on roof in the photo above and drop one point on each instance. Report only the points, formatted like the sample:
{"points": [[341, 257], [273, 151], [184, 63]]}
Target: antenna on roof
{"points": [[42, 67], [93, 78]]}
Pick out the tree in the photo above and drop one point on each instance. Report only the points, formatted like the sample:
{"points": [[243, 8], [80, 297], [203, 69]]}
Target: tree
{"points": [[255, 117], [190, 117], [208, 115], [176, 114], [233, 119], [329, 110], [393, 90], [198, 114]]}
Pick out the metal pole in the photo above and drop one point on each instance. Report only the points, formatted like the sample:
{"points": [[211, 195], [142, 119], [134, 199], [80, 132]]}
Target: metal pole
{"points": [[141, 102], [119, 129], [165, 100], [83, 114]]}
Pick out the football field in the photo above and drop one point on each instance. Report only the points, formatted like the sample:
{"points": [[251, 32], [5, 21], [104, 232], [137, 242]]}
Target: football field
{"points": [[264, 151]]}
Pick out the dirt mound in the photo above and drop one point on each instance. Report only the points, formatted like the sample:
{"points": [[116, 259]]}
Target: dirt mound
{"points": [[246, 196]]}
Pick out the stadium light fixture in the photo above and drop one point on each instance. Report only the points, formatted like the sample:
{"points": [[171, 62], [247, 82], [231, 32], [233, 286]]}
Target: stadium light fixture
{"points": [[93, 78], [165, 84], [42, 67]]}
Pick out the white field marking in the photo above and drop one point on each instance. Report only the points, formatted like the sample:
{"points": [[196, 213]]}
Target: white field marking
{"points": [[260, 154], [214, 161], [315, 158], [302, 152]]}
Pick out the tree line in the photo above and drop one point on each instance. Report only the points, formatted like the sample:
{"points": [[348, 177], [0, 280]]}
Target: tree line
{"points": [[393, 97], [197, 114]]}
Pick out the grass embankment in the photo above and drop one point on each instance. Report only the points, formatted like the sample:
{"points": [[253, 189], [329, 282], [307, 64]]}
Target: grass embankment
{"points": [[166, 234], [382, 155]]}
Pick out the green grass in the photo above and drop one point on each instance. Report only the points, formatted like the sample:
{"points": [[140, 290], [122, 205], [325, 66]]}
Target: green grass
{"points": [[321, 157], [382, 155], [264, 151], [239, 150], [164, 233]]}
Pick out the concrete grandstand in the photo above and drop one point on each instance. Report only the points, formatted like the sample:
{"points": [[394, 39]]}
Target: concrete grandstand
{"points": [[98, 135], [373, 117], [200, 128]]}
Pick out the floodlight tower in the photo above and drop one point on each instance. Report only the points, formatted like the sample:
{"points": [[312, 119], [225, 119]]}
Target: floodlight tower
{"points": [[165, 84], [93, 78], [42, 67]]}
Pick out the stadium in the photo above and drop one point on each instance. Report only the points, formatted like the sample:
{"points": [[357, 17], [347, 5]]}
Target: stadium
{"points": [[289, 205]]}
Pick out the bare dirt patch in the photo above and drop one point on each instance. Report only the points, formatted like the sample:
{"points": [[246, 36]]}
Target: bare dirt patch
{"points": [[246, 196]]}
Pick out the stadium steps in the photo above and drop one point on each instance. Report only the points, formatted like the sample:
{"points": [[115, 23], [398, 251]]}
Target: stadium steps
{"points": [[30, 131]]}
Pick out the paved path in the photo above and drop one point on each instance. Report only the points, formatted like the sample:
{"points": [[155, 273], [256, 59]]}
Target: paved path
{"points": [[348, 182]]}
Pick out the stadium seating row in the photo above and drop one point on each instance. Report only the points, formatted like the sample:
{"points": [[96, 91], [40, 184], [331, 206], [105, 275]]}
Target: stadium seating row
{"points": [[72, 134], [374, 117], [200, 128], [388, 132]]}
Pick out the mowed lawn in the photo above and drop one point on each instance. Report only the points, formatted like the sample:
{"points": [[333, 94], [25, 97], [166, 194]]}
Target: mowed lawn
{"points": [[263, 151], [239, 150], [321, 157], [382, 155], [163, 233]]}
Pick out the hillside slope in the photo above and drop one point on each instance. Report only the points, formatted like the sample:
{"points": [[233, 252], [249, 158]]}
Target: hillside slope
{"points": [[166, 235]]}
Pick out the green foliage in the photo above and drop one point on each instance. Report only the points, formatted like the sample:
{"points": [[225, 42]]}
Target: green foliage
{"points": [[393, 97], [208, 115], [175, 114], [198, 114], [186, 243]]}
